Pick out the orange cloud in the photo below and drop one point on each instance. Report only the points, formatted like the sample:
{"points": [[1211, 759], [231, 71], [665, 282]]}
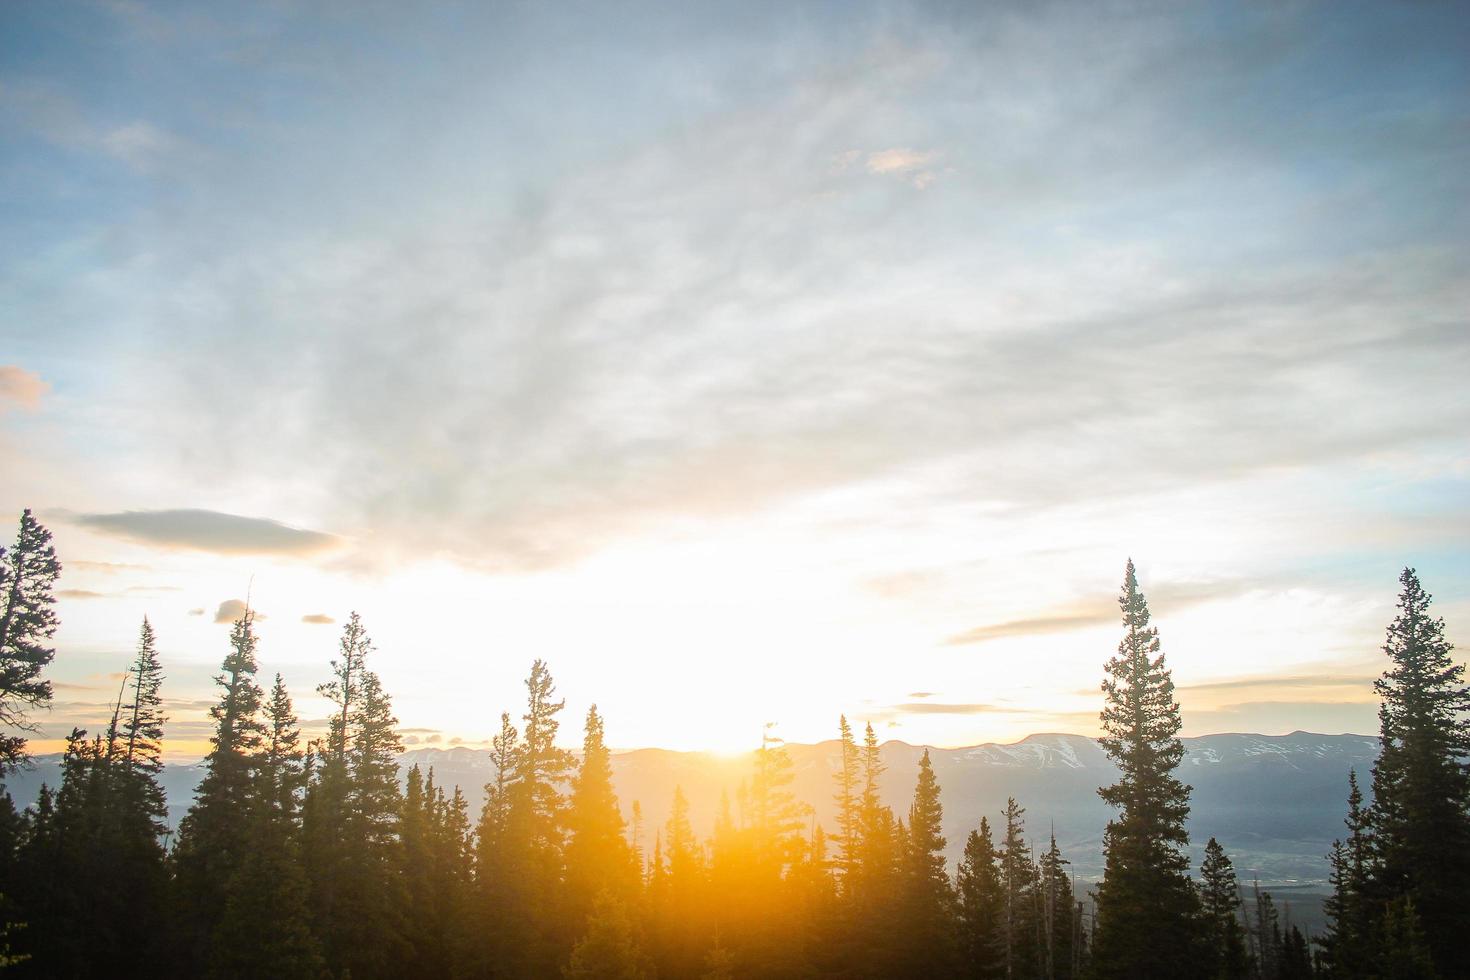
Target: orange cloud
{"points": [[21, 387]]}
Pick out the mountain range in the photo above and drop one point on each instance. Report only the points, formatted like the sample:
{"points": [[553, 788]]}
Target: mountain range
{"points": [[1275, 802]]}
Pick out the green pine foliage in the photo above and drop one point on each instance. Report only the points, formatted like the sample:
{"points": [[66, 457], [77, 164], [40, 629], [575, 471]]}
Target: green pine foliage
{"points": [[213, 834], [1146, 919], [1421, 785], [1220, 906], [982, 904], [28, 573]]}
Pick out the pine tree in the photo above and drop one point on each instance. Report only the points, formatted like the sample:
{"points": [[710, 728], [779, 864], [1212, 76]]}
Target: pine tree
{"points": [[1056, 911], [28, 573], [1350, 913], [1018, 882], [142, 737], [1265, 935], [1220, 902], [598, 858], [350, 823], [1403, 951], [1146, 920], [265, 928], [775, 814], [528, 858], [214, 833], [609, 949], [1421, 783], [496, 912], [982, 906], [929, 915], [848, 800]]}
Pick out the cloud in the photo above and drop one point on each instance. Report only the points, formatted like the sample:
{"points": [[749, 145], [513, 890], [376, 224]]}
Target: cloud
{"points": [[689, 318], [920, 694], [1032, 626], [319, 619], [82, 594], [21, 388], [940, 708], [105, 567], [1168, 597], [198, 611], [904, 162], [1362, 683], [232, 609], [208, 530]]}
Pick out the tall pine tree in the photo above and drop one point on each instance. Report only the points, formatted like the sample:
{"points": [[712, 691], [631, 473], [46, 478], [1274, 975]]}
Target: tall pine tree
{"points": [[28, 573], [1421, 784], [1146, 919], [214, 835]]}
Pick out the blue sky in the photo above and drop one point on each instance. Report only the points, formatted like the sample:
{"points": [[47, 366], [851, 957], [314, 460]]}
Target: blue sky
{"points": [[770, 350]]}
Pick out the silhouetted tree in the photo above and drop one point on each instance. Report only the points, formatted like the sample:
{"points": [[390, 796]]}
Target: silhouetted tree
{"points": [[28, 573], [214, 834], [1421, 784], [1146, 905], [928, 923], [598, 858], [982, 906], [1220, 901], [1346, 948]]}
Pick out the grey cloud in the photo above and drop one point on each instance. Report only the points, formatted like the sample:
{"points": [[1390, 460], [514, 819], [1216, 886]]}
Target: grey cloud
{"points": [[208, 530]]}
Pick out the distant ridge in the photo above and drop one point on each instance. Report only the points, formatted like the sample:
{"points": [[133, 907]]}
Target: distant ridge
{"points": [[1275, 802]]}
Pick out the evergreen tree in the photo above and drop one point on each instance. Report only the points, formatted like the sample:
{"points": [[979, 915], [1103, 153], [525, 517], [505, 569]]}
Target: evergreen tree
{"points": [[214, 834], [1056, 912], [1265, 936], [848, 800], [142, 740], [1401, 947], [1220, 902], [350, 825], [609, 949], [982, 906], [1346, 948], [28, 573], [1146, 919], [929, 917], [1421, 784], [1019, 948], [598, 858], [495, 912], [265, 928], [775, 813], [531, 936]]}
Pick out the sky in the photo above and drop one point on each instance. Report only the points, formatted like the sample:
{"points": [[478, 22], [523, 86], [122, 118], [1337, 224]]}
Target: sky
{"points": [[750, 363]]}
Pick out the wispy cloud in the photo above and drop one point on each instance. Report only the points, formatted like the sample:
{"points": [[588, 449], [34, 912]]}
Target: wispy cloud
{"points": [[208, 530], [318, 619]]}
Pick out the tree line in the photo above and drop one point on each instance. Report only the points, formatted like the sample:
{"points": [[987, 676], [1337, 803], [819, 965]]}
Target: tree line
{"points": [[320, 859]]}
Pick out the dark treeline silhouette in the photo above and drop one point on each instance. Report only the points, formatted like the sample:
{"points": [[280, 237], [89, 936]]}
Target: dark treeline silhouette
{"points": [[319, 860]]}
